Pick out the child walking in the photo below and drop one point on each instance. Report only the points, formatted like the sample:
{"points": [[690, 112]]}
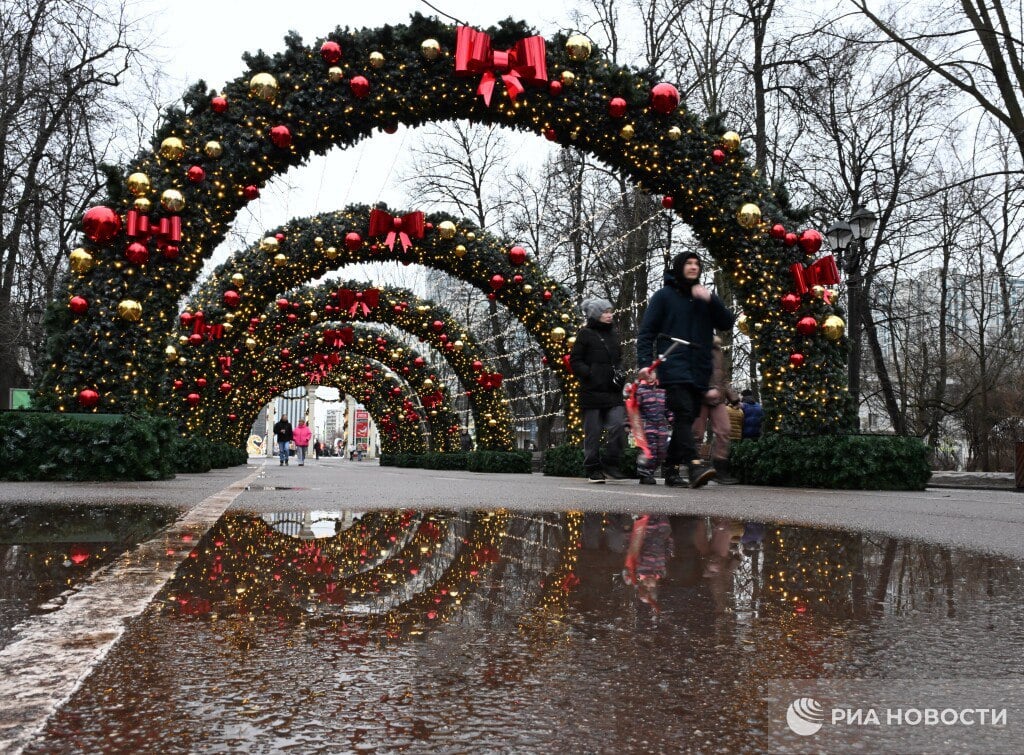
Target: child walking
{"points": [[657, 422], [650, 546]]}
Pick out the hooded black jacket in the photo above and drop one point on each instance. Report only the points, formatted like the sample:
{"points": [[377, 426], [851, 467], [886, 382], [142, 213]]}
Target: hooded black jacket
{"points": [[593, 356]]}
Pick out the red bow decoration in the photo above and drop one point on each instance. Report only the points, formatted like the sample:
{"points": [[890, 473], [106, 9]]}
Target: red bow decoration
{"points": [[167, 231], [524, 62], [358, 300], [198, 323], [430, 400], [214, 332], [404, 227], [823, 272], [338, 338], [224, 362]]}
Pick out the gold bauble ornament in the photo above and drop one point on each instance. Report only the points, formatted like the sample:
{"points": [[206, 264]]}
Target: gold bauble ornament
{"points": [[571, 340], [269, 244], [578, 47], [263, 86], [627, 132], [376, 59], [280, 260], [446, 229], [182, 340], [458, 345], [558, 334], [81, 261], [229, 316], [335, 74], [171, 354], [228, 327], [430, 49], [492, 422], [331, 252], [428, 384], [142, 204], [172, 148], [250, 343], [527, 288], [237, 280], [172, 200], [313, 316], [833, 327], [460, 251], [675, 133], [138, 184], [748, 215], [568, 78], [212, 149], [470, 236], [731, 141], [318, 242], [130, 310], [182, 361], [743, 324], [565, 317], [818, 292]]}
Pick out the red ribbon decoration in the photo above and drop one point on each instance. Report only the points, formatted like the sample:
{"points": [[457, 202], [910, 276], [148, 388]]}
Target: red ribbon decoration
{"points": [[199, 323], [215, 332], [799, 279], [823, 272], [355, 300], [404, 227], [524, 62], [338, 338], [167, 230], [224, 362]]}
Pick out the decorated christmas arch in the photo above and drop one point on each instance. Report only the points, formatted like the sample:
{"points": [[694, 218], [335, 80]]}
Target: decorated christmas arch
{"points": [[299, 326], [142, 252]]}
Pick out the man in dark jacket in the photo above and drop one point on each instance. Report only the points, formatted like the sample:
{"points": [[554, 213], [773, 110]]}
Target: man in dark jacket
{"points": [[753, 415], [685, 309], [283, 436], [594, 359]]}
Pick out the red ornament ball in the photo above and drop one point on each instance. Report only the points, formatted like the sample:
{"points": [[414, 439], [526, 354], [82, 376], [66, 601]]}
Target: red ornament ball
{"points": [[778, 232], [517, 255], [796, 359], [225, 388], [219, 104], [178, 384], [718, 156], [285, 353], [550, 134], [137, 253], [360, 86], [517, 279], [101, 224], [664, 98], [353, 241], [390, 128], [668, 202], [78, 304], [791, 302], [232, 298], [477, 365], [281, 136], [807, 326], [437, 325], [790, 239], [185, 318], [196, 174], [201, 383], [233, 417], [193, 399], [195, 339], [497, 281], [492, 296], [88, 398], [170, 252], [555, 88], [250, 192], [547, 296], [810, 241], [330, 51], [282, 304], [617, 107]]}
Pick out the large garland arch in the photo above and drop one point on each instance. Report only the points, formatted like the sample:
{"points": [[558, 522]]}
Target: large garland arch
{"points": [[283, 325], [213, 156]]}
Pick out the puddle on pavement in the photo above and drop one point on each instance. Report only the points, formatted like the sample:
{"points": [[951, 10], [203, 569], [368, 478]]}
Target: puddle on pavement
{"points": [[46, 552], [415, 631]]}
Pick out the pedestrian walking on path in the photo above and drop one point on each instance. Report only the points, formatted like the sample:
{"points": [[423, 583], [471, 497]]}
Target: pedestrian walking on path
{"points": [[301, 435], [284, 435]]}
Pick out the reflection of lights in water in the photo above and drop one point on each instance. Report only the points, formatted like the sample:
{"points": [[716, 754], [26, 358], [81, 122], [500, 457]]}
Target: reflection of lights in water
{"points": [[309, 525]]}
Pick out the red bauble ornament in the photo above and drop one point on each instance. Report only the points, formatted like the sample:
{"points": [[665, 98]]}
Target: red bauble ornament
{"points": [[201, 383], [517, 279], [360, 86], [437, 325], [330, 51], [547, 296], [810, 241], [232, 418], [778, 232], [664, 98], [78, 304], [790, 239], [285, 353], [292, 317], [668, 202], [517, 255], [178, 384], [791, 302], [550, 134], [185, 318], [282, 304], [137, 253], [391, 128], [196, 174], [555, 88], [718, 156], [419, 362], [232, 299], [170, 252], [353, 241], [88, 398], [101, 224], [497, 281], [250, 192], [225, 388], [477, 365], [281, 136], [193, 399], [219, 104], [195, 339], [617, 107], [796, 359], [78, 554], [807, 326]]}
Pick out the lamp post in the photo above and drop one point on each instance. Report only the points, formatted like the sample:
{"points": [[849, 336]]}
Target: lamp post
{"points": [[849, 240]]}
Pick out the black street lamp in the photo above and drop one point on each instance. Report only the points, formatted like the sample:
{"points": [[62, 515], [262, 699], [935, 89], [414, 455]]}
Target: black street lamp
{"points": [[849, 240]]}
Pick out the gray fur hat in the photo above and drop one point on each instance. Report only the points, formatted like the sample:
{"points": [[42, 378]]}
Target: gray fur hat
{"points": [[593, 308]]}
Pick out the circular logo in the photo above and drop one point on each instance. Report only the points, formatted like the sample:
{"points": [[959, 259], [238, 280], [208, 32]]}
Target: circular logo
{"points": [[805, 716]]}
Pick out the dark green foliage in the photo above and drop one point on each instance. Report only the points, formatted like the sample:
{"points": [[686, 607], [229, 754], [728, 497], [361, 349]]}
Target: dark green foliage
{"points": [[455, 460], [515, 462], [195, 454], [408, 460], [848, 462], [388, 460], [567, 461]]}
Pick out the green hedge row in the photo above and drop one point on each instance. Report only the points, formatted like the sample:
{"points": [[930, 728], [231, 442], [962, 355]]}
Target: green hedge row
{"points": [[847, 462], [517, 462], [567, 461], [97, 447]]}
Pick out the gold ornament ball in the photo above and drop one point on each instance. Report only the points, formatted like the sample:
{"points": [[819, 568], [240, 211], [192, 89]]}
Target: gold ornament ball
{"points": [[627, 132], [172, 200], [138, 184], [675, 133], [565, 317], [313, 316], [250, 343], [749, 215], [229, 316], [172, 148], [527, 288], [568, 78], [558, 334], [212, 149], [142, 204], [492, 422], [571, 340], [743, 324], [318, 242], [833, 327], [280, 260], [331, 252], [130, 310], [269, 244], [470, 236], [182, 340], [578, 47], [263, 86], [460, 251], [228, 327], [376, 59], [458, 345], [81, 261], [182, 361], [335, 74], [430, 49], [237, 280], [428, 384], [171, 354], [818, 292], [446, 229], [731, 141]]}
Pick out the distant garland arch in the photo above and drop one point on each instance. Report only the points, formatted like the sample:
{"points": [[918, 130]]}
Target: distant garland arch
{"points": [[211, 158]]}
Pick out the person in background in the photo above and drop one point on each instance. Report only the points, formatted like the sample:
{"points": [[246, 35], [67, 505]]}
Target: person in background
{"points": [[650, 546], [657, 426], [713, 409], [283, 435], [317, 447], [753, 415], [596, 360], [301, 435]]}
